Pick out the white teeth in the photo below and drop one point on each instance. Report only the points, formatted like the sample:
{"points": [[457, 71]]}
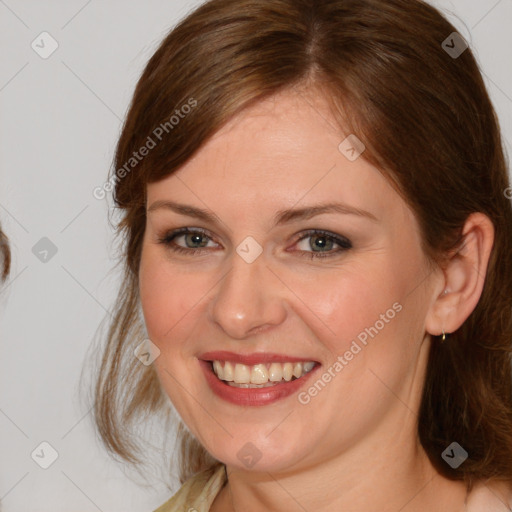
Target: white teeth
{"points": [[242, 374], [308, 366], [229, 373], [260, 375], [275, 372], [266, 385], [287, 371], [297, 370], [217, 368]]}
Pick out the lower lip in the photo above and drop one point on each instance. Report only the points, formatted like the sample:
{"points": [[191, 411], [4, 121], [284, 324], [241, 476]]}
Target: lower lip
{"points": [[252, 396]]}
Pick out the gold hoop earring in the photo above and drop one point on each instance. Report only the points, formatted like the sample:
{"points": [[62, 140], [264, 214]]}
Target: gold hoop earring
{"points": [[443, 338]]}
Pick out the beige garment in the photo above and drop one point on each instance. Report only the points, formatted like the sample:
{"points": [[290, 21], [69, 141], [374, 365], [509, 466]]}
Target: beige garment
{"points": [[198, 492]]}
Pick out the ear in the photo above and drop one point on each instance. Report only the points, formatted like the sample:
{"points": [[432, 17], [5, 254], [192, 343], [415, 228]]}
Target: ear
{"points": [[463, 278]]}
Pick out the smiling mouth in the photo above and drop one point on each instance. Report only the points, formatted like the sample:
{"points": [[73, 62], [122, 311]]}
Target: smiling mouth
{"points": [[260, 375]]}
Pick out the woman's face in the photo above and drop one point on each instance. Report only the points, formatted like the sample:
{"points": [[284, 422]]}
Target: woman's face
{"points": [[256, 282]]}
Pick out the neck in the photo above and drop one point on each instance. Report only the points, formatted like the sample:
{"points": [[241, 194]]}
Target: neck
{"points": [[387, 476]]}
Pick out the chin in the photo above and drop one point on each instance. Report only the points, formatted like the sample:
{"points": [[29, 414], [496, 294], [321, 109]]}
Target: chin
{"points": [[246, 453]]}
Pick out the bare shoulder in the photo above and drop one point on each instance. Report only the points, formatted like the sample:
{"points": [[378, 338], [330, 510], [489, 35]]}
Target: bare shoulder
{"points": [[490, 496]]}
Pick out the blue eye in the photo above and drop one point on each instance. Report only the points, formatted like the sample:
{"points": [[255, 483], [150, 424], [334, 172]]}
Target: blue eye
{"points": [[324, 241], [197, 239], [192, 236]]}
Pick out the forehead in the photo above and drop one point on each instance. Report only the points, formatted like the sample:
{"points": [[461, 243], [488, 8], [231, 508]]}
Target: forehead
{"points": [[282, 151]]}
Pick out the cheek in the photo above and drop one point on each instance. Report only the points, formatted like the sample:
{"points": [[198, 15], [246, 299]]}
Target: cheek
{"points": [[160, 303], [349, 303], [170, 298]]}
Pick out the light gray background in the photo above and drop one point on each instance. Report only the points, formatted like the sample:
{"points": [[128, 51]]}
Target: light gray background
{"points": [[59, 122]]}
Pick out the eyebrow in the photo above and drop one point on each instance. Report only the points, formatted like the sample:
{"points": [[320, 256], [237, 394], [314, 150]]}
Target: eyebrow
{"points": [[281, 217]]}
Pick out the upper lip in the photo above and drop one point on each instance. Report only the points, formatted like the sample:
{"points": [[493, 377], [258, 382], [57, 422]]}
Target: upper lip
{"points": [[251, 359]]}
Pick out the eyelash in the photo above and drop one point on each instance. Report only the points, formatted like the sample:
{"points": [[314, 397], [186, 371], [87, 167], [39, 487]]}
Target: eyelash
{"points": [[343, 242]]}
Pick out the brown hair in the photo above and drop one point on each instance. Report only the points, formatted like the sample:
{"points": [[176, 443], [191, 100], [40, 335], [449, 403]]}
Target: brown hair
{"points": [[5, 256], [428, 124], [5, 259]]}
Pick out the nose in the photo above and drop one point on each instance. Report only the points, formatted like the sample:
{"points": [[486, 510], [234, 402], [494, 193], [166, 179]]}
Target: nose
{"points": [[249, 299]]}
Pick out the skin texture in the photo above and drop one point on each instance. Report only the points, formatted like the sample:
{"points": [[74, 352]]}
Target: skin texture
{"points": [[353, 447]]}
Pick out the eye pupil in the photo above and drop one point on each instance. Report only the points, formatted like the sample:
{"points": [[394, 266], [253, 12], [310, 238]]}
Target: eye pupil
{"points": [[321, 244], [196, 238]]}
